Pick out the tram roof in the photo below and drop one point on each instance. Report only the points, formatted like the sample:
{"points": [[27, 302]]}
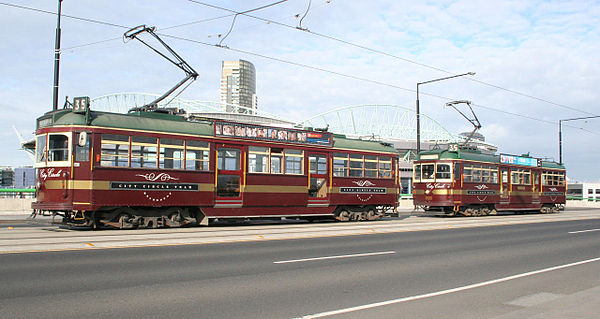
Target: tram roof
{"points": [[474, 155], [167, 123]]}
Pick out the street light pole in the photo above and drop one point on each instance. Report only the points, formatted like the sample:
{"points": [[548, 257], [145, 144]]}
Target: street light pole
{"points": [[56, 60], [560, 133], [417, 104]]}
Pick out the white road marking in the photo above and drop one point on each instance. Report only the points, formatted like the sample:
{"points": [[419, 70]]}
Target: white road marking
{"points": [[334, 257], [448, 291], [584, 231]]}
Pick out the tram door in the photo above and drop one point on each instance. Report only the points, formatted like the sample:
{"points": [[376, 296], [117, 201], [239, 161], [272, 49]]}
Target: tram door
{"points": [[504, 186], [229, 176], [81, 166], [536, 187], [317, 180]]}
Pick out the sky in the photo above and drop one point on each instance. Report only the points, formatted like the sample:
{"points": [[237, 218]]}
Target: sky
{"points": [[536, 62]]}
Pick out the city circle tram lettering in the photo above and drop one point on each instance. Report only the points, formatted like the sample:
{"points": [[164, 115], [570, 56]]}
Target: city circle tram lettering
{"points": [[363, 190], [153, 186]]}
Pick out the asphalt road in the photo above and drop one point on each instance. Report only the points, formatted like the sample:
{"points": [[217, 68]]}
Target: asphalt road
{"points": [[281, 278]]}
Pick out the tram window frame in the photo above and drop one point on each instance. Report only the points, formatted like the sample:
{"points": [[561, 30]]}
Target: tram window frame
{"points": [[430, 172], [317, 164], [258, 157], [276, 160], [231, 161], [60, 151], [171, 153], [41, 152], [480, 173], [447, 174], [341, 164], [520, 176], [371, 166], [553, 178], [293, 161], [144, 152], [356, 168], [82, 153], [201, 155], [385, 167], [417, 173], [505, 174], [120, 153]]}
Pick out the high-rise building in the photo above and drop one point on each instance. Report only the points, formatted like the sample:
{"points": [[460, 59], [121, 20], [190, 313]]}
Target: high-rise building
{"points": [[238, 85]]}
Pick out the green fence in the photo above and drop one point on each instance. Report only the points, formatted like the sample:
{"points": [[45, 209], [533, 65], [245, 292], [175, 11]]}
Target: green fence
{"points": [[17, 192]]}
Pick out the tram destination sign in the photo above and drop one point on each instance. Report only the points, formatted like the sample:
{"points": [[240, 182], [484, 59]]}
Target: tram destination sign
{"points": [[520, 160], [272, 134]]}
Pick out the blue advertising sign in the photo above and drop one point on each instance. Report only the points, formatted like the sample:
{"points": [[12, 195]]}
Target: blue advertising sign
{"points": [[518, 160]]}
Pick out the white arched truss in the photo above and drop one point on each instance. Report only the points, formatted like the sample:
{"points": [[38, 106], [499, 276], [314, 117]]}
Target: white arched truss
{"points": [[123, 102], [376, 121], [381, 122]]}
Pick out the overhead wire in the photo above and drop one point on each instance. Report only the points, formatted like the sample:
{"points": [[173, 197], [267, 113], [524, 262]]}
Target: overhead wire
{"points": [[362, 79], [390, 55], [306, 66]]}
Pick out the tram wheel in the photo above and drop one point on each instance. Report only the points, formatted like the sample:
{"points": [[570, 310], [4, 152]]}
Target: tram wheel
{"points": [[371, 214], [343, 216]]}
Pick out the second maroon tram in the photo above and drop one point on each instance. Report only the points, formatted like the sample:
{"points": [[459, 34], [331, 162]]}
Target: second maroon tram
{"points": [[466, 182], [150, 169]]}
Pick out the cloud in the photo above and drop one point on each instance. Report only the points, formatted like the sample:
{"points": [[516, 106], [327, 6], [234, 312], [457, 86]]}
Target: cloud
{"points": [[544, 49]]}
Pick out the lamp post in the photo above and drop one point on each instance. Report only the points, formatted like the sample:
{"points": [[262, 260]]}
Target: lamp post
{"points": [[418, 113], [56, 60], [560, 133]]}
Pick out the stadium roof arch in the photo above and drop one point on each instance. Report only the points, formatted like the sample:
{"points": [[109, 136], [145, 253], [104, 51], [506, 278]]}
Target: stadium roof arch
{"points": [[389, 123]]}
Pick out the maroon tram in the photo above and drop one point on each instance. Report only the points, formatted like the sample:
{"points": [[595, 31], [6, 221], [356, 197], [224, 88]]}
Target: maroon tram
{"points": [[466, 182], [151, 169]]}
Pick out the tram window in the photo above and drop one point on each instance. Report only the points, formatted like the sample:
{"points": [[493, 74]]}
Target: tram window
{"points": [[293, 161], [385, 167], [485, 176], [356, 165], [480, 174], [276, 160], [468, 173], [40, 149], [144, 151], [58, 148], [340, 164], [258, 159], [427, 171], [477, 174], [197, 155], [370, 166], [550, 178], [504, 176], [417, 173], [229, 159], [114, 150], [318, 164], [171, 153], [228, 185], [494, 178], [521, 176], [82, 153], [443, 171], [527, 178]]}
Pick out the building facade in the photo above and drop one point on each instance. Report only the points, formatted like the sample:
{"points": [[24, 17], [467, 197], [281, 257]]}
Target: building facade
{"points": [[584, 191], [238, 85]]}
